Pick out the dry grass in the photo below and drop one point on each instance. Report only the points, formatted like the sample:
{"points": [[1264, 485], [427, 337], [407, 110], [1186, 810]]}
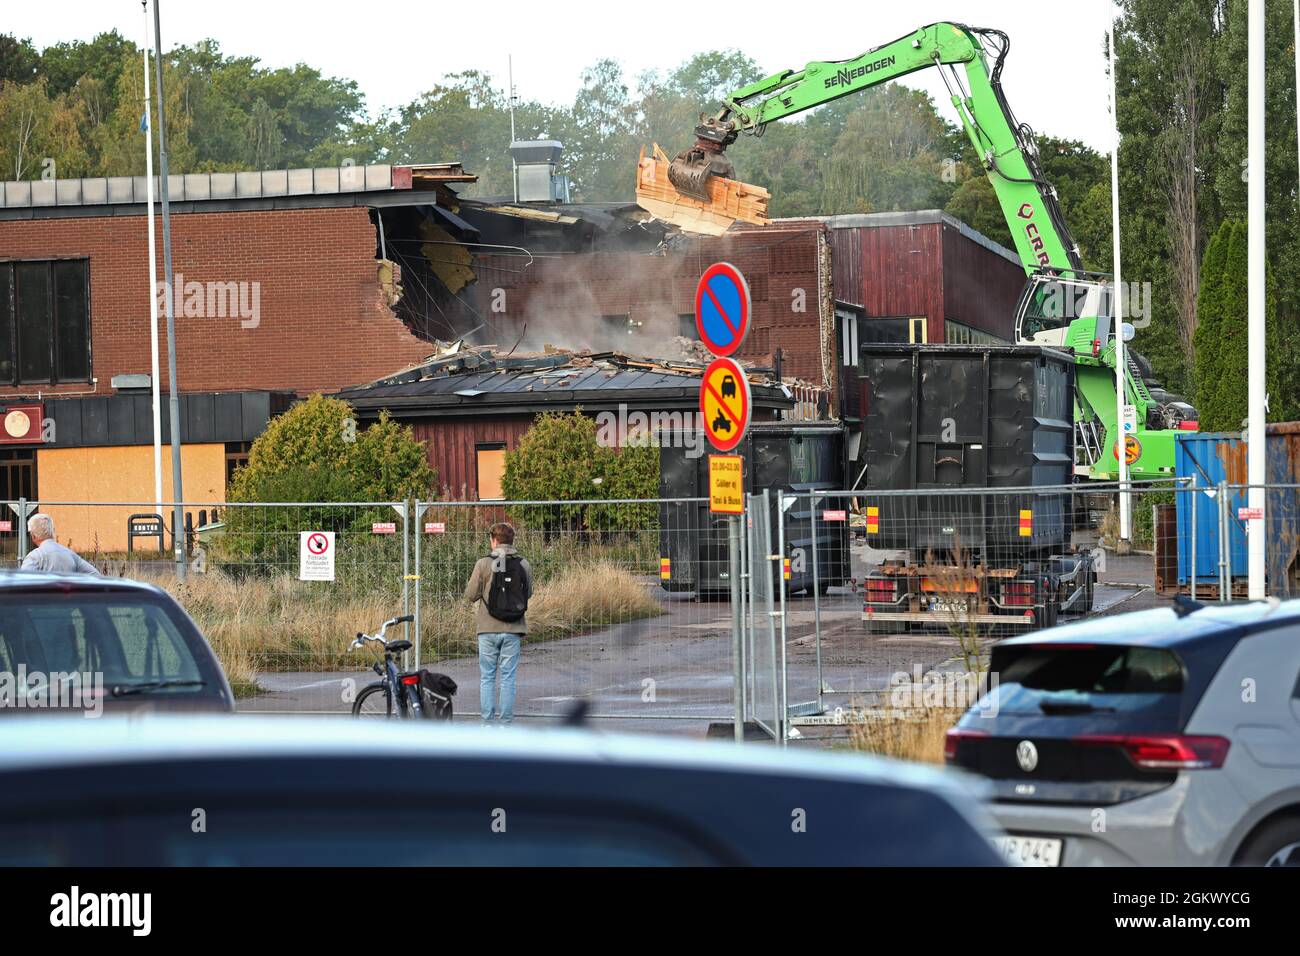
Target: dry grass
{"points": [[906, 735], [280, 623]]}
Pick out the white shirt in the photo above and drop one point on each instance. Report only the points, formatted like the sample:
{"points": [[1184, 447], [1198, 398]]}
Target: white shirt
{"points": [[51, 556]]}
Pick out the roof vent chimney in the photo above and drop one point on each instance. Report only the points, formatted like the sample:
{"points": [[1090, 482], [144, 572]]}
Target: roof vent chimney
{"points": [[535, 176]]}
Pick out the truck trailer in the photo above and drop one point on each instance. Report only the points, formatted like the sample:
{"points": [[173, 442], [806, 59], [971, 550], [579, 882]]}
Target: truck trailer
{"points": [[938, 422]]}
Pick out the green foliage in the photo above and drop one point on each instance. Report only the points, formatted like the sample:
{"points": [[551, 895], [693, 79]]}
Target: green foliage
{"points": [[315, 453], [1210, 307], [1221, 335], [559, 459]]}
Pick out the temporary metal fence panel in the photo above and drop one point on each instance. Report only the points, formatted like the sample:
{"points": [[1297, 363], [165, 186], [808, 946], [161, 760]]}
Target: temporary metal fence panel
{"points": [[243, 585], [617, 621], [762, 651]]}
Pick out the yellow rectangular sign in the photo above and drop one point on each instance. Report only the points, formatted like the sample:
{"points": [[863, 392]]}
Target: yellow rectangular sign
{"points": [[726, 485]]}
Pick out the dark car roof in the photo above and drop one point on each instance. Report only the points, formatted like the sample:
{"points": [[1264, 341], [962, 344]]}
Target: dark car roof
{"points": [[1162, 627], [266, 761], [46, 581]]}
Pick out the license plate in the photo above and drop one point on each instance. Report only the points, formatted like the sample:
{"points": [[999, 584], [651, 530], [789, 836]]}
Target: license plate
{"points": [[1029, 851], [950, 607]]}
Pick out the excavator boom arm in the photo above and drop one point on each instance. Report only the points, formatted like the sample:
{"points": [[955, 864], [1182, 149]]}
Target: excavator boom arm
{"points": [[1005, 148]]}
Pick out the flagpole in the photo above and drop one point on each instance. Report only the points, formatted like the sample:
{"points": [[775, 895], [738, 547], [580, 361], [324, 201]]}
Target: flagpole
{"points": [[153, 278], [1117, 308]]}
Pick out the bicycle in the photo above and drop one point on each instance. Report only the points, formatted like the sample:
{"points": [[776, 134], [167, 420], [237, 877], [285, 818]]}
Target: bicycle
{"points": [[377, 699]]}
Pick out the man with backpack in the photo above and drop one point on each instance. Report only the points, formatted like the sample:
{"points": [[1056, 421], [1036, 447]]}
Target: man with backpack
{"points": [[501, 585]]}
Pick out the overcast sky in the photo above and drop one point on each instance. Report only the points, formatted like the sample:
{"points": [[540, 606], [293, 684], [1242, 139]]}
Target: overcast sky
{"points": [[1055, 75]]}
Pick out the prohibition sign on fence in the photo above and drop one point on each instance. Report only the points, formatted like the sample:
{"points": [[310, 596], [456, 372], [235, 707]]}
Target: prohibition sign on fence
{"points": [[725, 403], [722, 308], [318, 543]]}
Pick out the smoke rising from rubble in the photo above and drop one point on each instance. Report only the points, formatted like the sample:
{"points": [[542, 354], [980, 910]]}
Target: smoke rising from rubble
{"points": [[561, 310]]}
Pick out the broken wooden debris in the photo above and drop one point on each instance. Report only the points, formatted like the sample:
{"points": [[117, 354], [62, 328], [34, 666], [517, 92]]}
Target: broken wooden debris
{"points": [[729, 199]]}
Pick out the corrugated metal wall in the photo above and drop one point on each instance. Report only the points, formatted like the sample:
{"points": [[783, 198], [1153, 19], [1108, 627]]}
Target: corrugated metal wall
{"points": [[980, 287], [925, 269], [451, 444]]}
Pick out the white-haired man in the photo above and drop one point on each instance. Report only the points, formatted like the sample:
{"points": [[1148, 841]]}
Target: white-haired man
{"points": [[48, 554]]}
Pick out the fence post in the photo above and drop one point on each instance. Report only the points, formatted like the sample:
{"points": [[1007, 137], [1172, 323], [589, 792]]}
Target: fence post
{"points": [[817, 591], [737, 670], [418, 522], [22, 529], [783, 707], [1225, 543], [1195, 496]]}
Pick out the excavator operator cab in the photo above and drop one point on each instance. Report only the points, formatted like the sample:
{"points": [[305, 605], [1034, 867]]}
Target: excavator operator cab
{"points": [[1050, 303]]}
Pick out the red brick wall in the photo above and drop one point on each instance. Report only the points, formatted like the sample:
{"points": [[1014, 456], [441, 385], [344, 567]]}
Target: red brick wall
{"points": [[324, 323]]}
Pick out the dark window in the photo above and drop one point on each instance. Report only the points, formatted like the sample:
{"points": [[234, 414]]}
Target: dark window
{"points": [[686, 326], [6, 324], [44, 322], [32, 281], [72, 321], [621, 323], [236, 457]]}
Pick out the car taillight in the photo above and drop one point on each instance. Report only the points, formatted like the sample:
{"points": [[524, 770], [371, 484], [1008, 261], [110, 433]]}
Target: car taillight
{"points": [[410, 680], [1165, 752], [1018, 592], [952, 740]]}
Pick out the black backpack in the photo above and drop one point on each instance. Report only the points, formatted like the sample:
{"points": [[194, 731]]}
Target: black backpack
{"points": [[436, 692], [508, 596]]}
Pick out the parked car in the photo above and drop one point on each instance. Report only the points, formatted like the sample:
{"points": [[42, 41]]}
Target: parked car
{"points": [[331, 792], [76, 643], [1161, 737]]}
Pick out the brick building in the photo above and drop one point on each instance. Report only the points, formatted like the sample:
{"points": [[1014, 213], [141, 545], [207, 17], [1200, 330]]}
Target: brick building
{"points": [[282, 286]]}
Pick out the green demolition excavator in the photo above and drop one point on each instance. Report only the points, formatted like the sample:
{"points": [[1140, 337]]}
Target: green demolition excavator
{"points": [[1062, 305]]}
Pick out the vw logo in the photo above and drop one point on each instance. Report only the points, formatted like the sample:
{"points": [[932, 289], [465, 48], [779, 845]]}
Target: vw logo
{"points": [[1027, 755]]}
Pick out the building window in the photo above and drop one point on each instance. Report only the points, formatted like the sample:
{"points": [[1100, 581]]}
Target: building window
{"points": [[959, 333], [490, 462], [236, 457], [620, 324], [893, 331], [686, 326], [44, 322]]}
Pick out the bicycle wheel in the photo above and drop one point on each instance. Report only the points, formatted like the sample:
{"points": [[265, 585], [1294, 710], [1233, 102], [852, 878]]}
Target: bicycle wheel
{"points": [[373, 701]]}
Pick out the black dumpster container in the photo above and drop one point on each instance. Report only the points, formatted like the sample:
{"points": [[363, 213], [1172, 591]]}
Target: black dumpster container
{"points": [[966, 416], [792, 457]]}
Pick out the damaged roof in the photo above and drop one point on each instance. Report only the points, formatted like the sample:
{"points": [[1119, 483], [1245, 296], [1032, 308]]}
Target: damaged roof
{"points": [[464, 381]]}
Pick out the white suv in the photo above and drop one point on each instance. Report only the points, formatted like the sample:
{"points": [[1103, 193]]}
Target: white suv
{"points": [[1163, 737]]}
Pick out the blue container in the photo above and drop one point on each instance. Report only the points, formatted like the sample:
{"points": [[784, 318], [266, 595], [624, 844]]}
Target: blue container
{"points": [[1212, 457]]}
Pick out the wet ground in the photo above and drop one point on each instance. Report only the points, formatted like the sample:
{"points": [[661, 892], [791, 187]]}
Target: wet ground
{"points": [[672, 674]]}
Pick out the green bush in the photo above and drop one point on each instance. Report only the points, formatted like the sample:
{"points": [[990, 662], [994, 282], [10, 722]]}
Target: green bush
{"points": [[559, 459], [315, 453]]}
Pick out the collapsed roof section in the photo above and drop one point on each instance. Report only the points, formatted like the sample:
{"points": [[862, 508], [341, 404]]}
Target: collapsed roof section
{"points": [[471, 379]]}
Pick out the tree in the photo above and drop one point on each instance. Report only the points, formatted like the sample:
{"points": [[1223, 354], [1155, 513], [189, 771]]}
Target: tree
{"points": [[1210, 309], [1221, 344], [315, 453], [561, 459], [18, 59], [1169, 119]]}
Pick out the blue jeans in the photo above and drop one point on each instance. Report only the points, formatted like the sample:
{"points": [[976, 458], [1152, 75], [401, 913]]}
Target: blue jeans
{"points": [[497, 652]]}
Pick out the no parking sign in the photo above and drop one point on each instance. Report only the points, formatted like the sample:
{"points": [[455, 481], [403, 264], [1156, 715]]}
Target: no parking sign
{"points": [[722, 308]]}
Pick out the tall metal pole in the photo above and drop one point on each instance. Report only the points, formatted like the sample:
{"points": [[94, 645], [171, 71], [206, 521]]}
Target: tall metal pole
{"points": [[737, 672], [1255, 378], [510, 96], [155, 382], [1117, 301], [174, 399]]}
